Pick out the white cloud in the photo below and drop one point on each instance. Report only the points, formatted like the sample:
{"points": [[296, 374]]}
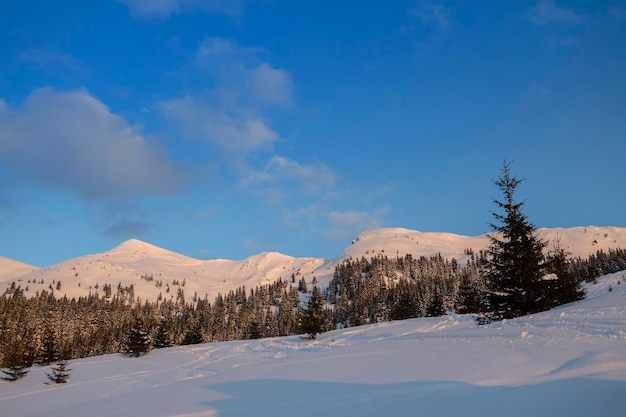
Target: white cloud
{"points": [[547, 11], [279, 169], [350, 223], [164, 8], [234, 131], [244, 79], [283, 178], [230, 115], [269, 86], [71, 140]]}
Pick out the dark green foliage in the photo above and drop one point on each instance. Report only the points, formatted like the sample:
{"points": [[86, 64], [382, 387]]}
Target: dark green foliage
{"points": [[380, 289], [562, 286], [516, 258], [404, 307], [162, 338], [471, 295], [311, 319], [60, 372], [254, 331], [49, 351], [601, 263], [137, 341], [435, 306], [16, 363], [193, 336]]}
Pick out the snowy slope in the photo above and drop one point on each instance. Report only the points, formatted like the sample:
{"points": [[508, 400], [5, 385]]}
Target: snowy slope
{"points": [[127, 263], [10, 268], [580, 241], [570, 361]]}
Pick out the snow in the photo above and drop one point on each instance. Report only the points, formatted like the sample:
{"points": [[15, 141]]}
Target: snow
{"points": [[570, 361], [128, 262], [10, 269]]}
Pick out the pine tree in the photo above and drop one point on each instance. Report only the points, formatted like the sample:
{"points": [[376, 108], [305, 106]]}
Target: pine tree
{"points": [[470, 296], [435, 306], [137, 341], [311, 319], [49, 351], [516, 261], [562, 287], [162, 338], [193, 336], [16, 364], [60, 373], [254, 330]]}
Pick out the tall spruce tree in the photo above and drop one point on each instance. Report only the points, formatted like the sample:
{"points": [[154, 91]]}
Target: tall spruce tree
{"points": [[16, 363], [516, 264], [137, 340], [311, 319], [193, 335], [162, 338]]}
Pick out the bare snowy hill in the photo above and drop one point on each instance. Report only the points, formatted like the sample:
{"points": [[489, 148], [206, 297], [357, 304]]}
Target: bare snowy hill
{"points": [[153, 271], [570, 361], [10, 269]]}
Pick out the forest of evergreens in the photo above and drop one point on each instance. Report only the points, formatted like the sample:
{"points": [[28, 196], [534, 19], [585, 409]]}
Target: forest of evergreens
{"points": [[44, 328]]}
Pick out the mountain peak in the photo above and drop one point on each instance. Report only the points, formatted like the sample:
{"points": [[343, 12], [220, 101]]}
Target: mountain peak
{"points": [[136, 245]]}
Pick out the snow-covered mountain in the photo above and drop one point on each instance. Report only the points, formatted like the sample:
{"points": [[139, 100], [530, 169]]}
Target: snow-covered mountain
{"points": [[570, 361], [10, 269], [153, 270]]}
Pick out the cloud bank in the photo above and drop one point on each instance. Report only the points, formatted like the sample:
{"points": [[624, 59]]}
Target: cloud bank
{"points": [[71, 140], [230, 115]]}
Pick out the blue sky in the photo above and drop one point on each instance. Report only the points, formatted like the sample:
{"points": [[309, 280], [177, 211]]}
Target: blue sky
{"points": [[220, 129]]}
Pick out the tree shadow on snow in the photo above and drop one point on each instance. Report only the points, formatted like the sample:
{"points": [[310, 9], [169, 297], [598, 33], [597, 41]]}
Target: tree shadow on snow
{"points": [[268, 397]]}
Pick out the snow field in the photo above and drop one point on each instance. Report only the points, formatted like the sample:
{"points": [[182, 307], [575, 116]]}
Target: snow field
{"points": [[570, 361]]}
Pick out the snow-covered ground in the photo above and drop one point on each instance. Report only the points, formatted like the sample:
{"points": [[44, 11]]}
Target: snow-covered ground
{"points": [[570, 361]]}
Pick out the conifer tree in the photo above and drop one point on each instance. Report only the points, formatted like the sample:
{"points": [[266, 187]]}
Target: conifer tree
{"points": [[470, 296], [516, 261], [60, 372], [563, 286], [193, 335], [16, 364], [49, 351], [435, 306], [311, 319], [137, 341], [162, 338]]}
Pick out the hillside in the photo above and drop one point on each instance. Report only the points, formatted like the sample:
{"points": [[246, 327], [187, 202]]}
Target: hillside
{"points": [[152, 270], [10, 269], [570, 361]]}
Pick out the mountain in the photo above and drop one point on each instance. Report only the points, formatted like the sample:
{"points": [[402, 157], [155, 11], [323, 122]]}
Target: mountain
{"points": [[569, 361], [152, 270], [10, 269]]}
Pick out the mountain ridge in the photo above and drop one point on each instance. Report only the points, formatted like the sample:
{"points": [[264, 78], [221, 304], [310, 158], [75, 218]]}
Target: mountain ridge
{"points": [[155, 272]]}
